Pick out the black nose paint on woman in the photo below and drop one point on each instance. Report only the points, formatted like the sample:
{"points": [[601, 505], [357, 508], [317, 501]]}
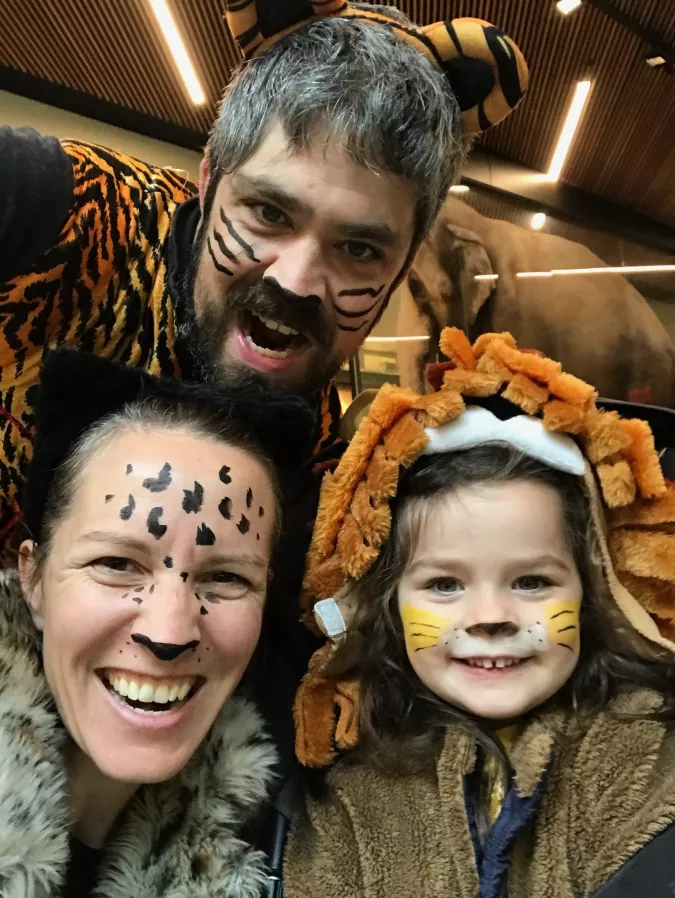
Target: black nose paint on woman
{"points": [[164, 651]]}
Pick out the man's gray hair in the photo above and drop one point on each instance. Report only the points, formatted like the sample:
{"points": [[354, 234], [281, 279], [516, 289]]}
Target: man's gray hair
{"points": [[356, 82]]}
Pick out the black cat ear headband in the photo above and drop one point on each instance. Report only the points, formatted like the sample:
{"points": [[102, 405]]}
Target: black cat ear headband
{"points": [[104, 387], [486, 70]]}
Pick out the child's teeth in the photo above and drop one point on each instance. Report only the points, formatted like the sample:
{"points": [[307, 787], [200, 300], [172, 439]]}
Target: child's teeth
{"points": [[132, 692], [183, 691], [122, 687], [173, 693]]}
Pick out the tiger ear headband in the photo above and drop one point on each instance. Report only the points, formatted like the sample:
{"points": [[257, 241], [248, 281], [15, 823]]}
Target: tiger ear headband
{"points": [[547, 414], [486, 70]]}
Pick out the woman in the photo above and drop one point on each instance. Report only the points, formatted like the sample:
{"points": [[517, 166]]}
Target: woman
{"points": [[516, 701], [127, 767]]}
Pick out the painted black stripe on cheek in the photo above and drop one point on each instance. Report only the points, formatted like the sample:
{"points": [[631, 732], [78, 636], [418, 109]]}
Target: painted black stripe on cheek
{"points": [[357, 314], [365, 291], [219, 265], [248, 249], [223, 247], [344, 327]]}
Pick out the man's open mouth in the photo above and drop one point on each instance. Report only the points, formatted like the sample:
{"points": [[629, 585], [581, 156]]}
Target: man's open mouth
{"points": [[150, 697], [272, 338]]}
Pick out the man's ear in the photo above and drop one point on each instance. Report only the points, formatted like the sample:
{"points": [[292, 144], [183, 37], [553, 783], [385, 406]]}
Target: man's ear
{"points": [[204, 176], [31, 585]]}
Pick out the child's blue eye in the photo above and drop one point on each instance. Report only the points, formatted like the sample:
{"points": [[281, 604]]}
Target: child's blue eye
{"points": [[531, 583], [446, 585]]}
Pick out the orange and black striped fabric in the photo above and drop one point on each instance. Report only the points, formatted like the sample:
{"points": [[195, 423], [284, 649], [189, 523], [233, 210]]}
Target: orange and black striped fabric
{"points": [[102, 287], [485, 68]]}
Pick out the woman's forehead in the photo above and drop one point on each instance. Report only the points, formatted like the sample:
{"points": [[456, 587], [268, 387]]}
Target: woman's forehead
{"points": [[151, 482]]}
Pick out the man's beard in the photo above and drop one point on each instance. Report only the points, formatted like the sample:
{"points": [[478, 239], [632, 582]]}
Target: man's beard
{"points": [[206, 333]]}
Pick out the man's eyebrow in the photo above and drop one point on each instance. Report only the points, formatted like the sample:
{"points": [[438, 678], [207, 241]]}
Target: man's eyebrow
{"points": [[378, 232], [269, 189]]}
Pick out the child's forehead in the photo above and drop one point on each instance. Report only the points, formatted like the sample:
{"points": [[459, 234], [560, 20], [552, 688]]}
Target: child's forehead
{"points": [[503, 514]]}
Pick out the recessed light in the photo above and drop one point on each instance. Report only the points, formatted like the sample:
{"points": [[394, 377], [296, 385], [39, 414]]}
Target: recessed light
{"points": [[538, 221], [459, 188], [655, 60], [567, 6]]}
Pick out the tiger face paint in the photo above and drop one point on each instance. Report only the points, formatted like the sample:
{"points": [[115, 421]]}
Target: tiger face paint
{"points": [[295, 260], [490, 600], [153, 587]]}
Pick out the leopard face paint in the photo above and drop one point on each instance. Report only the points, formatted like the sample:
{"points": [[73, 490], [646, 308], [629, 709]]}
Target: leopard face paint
{"points": [[119, 598]]}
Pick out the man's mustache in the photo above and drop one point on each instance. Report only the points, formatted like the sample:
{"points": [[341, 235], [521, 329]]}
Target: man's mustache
{"points": [[305, 314]]}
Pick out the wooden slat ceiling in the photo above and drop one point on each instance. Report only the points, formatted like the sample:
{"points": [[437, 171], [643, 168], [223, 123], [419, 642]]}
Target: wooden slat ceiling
{"points": [[112, 50]]}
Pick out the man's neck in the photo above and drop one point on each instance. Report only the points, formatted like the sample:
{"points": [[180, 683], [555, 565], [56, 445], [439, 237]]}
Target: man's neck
{"points": [[96, 800]]}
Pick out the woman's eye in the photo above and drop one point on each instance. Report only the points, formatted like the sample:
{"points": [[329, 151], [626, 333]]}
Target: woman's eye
{"points": [[446, 586], [227, 578], [361, 252], [115, 563], [269, 214], [531, 583]]}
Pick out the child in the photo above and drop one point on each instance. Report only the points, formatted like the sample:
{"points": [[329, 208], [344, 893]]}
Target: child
{"points": [[512, 696]]}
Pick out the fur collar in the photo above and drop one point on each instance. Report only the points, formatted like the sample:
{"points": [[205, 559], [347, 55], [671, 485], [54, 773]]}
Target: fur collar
{"points": [[176, 839]]}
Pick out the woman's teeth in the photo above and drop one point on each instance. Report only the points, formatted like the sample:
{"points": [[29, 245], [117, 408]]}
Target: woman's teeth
{"points": [[489, 663], [131, 690]]}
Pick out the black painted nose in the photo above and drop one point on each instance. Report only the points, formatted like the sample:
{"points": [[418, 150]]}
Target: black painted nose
{"points": [[164, 651], [502, 628]]}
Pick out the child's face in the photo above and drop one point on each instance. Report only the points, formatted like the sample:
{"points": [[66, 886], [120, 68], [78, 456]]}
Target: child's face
{"points": [[490, 599]]}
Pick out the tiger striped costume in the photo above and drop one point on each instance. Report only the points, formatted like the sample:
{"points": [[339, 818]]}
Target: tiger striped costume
{"points": [[100, 285]]}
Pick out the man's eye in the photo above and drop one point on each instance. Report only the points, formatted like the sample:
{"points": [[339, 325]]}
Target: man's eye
{"points": [[269, 214], [361, 252], [531, 583], [115, 563], [445, 586]]}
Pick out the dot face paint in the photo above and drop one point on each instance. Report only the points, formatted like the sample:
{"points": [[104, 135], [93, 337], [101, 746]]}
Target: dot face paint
{"points": [[168, 561], [130, 468], [225, 508], [249, 497], [154, 527], [224, 474], [205, 536], [161, 482], [109, 497], [193, 499], [128, 510], [244, 524]]}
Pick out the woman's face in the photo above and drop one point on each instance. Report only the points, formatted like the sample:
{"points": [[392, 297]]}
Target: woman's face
{"points": [[151, 597], [490, 599]]}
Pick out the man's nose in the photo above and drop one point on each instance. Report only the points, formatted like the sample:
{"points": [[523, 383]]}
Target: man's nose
{"points": [[299, 270]]}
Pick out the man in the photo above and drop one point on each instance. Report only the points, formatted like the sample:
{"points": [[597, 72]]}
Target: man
{"points": [[330, 157], [332, 153]]}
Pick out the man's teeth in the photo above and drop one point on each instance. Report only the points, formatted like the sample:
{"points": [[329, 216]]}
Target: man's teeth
{"points": [[150, 693], [270, 353], [278, 326], [489, 663]]}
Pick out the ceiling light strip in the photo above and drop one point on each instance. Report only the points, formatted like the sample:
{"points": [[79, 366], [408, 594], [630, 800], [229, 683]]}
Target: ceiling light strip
{"points": [[609, 269], [569, 129], [177, 49]]}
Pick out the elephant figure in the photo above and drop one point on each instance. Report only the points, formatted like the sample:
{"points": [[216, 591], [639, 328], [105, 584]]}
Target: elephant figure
{"points": [[598, 326]]}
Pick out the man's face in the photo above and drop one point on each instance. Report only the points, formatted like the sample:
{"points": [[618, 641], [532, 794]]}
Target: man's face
{"points": [[295, 261]]}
